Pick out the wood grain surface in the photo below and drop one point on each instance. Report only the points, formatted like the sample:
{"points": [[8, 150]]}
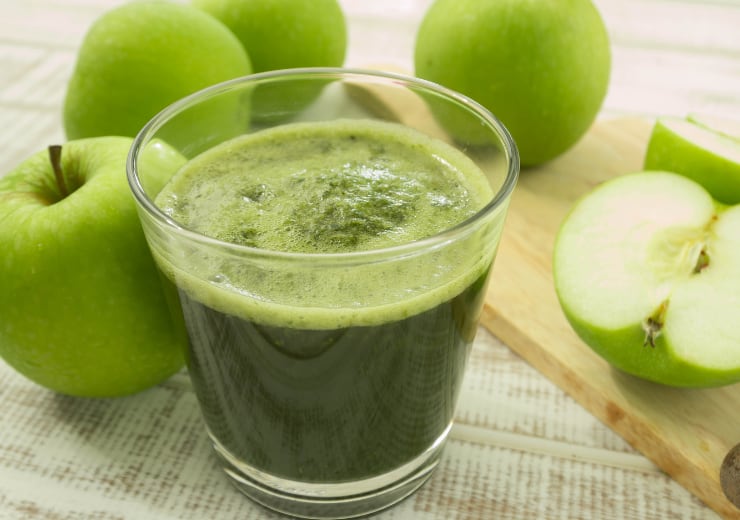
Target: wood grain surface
{"points": [[685, 432]]}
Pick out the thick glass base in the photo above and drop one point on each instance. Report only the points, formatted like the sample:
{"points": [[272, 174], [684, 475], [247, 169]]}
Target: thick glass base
{"points": [[331, 500]]}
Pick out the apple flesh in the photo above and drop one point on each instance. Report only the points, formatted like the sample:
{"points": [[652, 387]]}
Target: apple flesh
{"points": [[699, 153], [729, 128], [647, 271], [82, 309]]}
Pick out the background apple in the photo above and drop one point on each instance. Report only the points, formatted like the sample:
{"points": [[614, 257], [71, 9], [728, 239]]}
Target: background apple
{"points": [[710, 158], [647, 271], [82, 310], [284, 34], [140, 57], [541, 67]]}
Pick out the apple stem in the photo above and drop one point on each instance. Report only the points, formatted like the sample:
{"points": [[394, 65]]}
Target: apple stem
{"points": [[654, 324], [652, 329], [55, 157]]}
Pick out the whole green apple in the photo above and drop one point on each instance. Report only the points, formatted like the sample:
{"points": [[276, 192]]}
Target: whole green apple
{"points": [[284, 34], [542, 67], [709, 157], [82, 309], [140, 57], [647, 271]]}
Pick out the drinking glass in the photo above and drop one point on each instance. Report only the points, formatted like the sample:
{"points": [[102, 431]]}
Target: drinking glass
{"points": [[333, 399]]}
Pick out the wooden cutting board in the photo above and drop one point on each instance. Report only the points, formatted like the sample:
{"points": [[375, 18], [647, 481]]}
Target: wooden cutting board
{"points": [[687, 433]]}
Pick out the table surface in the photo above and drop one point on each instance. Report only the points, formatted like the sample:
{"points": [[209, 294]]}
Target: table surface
{"points": [[521, 448]]}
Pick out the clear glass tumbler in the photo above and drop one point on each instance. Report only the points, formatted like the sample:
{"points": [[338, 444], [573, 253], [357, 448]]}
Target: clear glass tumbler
{"points": [[332, 399]]}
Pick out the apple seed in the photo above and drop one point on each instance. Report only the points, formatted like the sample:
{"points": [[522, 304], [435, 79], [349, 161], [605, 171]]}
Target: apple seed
{"points": [[702, 261]]}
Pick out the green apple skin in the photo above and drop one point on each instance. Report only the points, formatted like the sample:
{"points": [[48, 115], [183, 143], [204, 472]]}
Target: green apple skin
{"points": [[708, 157], [624, 349], [541, 67], [140, 57], [284, 34], [82, 310], [609, 282]]}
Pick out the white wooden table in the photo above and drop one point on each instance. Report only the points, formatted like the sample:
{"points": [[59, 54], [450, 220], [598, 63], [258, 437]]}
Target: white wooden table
{"points": [[520, 449]]}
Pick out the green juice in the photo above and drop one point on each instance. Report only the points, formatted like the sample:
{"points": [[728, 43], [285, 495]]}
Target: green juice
{"points": [[307, 368]]}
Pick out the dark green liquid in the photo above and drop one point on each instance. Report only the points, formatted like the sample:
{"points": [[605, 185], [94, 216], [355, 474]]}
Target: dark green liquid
{"points": [[330, 405]]}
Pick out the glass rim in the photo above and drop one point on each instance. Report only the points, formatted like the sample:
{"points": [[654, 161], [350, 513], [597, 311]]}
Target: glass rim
{"points": [[438, 239]]}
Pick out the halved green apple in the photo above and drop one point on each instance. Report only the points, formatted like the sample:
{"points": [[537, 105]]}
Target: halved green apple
{"points": [[647, 271], [705, 155], [720, 125]]}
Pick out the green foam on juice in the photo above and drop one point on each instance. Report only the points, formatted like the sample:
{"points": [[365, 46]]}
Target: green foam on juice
{"points": [[327, 188]]}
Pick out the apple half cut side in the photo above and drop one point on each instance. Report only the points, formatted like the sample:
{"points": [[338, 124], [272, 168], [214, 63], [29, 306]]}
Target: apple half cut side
{"points": [[706, 156], [729, 128], [647, 271]]}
